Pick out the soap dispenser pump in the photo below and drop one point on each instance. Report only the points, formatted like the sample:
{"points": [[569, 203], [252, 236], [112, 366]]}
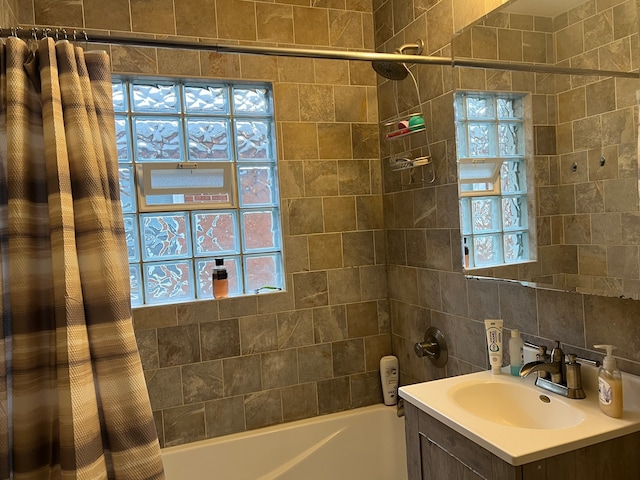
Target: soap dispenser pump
{"points": [[610, 385]]}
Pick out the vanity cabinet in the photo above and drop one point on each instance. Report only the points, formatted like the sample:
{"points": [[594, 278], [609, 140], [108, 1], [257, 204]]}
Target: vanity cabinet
{"points": [[437, 452]]}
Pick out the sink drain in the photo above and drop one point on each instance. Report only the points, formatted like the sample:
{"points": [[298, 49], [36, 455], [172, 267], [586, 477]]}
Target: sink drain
{"points": [[545, 399]]}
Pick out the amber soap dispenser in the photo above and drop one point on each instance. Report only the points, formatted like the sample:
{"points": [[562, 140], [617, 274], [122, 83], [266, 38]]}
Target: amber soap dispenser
{"points": [[220, 280]]}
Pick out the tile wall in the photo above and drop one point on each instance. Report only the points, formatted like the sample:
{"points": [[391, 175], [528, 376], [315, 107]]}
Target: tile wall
{"points": [[366, 256], [219, 367], [426, 283]]}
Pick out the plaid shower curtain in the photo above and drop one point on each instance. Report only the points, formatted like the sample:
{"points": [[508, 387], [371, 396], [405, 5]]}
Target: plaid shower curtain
{"points": [[73, 400]]}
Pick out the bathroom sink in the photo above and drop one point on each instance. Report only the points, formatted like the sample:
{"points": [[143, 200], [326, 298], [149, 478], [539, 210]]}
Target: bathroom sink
{"points": [[521, 423], [515, 405]]}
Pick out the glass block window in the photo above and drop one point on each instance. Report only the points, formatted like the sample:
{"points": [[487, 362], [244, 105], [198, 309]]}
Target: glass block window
{"points": [[492, 179], [198, 181]]}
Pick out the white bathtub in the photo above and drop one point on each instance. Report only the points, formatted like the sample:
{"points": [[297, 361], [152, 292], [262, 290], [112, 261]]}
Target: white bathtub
{"points": [[362, 444]]}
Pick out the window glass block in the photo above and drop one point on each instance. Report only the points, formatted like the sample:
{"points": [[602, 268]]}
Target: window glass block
{"points": [[135, 280], [215, 233], [122, 139], [487, 250], [465, 215], [516, 247], [127, 189], [510, 139], [514, 213], [257, 186], [154, 98], [208, 139], [119, 92], [460, 107], [206, 99], [204, 271], [165, 236], [263, 271], [251, 100], [253, 140], [462, 143], [486, 216], [482, 140], [260, 230], [513, 177], [131, 236], [157, 139], [480, 107], [509, 108], [168, 282]]}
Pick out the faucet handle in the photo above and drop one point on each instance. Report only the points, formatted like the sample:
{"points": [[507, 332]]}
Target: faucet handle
{"points": [[557, 355]]}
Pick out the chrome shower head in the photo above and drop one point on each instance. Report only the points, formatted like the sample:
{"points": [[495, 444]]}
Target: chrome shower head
{"points": [[397, 70]]}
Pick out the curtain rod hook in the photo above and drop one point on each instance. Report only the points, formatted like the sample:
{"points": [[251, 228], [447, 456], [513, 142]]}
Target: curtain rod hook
{"points": [[34, 33], [46, 32], [64, 32]]}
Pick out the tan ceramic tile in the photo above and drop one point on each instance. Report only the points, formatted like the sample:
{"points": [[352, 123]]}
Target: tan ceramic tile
{"points": [[236, 20], [257, 67], [274, 22], [334, 140], [354, 177], [287, 107], [178, 62], [109, 16], [521, 22], [152, 16], [320, 178], [484, 43], [331, 72], [618, 127], [291, 179], [197, 18], [300, 141], [571, 105], [305, 216], [295, 70], [311, 26], [534, 47], [616, 55], [622, 261], [57, 13], [440, 26], [509, 45], [133, 60], [345, 29], [325, 251], [317, 103], [339, 214], [219, 65], [569, 41], [350, 104], [598, 30]]}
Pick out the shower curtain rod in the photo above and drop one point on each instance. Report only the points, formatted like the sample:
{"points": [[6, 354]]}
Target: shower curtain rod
{"points": [[35, 32]]}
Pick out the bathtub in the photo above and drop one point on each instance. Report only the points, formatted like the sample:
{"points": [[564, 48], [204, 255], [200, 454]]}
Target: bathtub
{"points": [[361, 444]]}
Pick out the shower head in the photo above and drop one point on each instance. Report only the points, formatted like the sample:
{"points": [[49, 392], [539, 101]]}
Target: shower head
{"points": [[397, 70], [391, 70]]}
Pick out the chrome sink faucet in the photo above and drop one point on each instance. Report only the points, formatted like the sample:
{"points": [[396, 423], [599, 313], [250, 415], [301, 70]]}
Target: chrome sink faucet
{"points": [[565, 379]]}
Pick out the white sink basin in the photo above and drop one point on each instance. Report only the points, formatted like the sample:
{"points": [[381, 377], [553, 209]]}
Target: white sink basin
{"points": [[515, 405], [509, 415]]}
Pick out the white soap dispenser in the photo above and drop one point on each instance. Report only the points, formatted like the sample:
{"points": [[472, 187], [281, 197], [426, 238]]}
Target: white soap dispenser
{"points": [[610, 385]]}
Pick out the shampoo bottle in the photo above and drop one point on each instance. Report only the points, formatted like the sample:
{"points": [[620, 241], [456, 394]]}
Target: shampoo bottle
{"points": [[610, 385], [220, 280], [516, 352]]}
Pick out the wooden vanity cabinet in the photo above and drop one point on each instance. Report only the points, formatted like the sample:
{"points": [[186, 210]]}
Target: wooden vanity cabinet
{"points": [[437, 452]]}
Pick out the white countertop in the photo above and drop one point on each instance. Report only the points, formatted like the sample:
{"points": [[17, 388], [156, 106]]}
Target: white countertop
{"points": [[517, 445]]}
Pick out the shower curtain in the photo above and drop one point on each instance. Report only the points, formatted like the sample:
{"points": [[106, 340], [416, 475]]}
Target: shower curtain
{"points": [[73, 400]]}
